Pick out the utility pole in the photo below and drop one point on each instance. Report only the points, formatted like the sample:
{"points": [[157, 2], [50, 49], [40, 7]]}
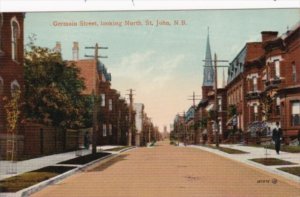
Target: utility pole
{"points": [[96, 94], [130, 116], [149, 131], [195, 115], [217, 138]]}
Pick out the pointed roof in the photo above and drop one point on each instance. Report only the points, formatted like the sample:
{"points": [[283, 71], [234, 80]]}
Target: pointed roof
{"points": [[208, 79]]}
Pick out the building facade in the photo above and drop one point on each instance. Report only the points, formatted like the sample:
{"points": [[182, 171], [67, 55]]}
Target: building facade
{"points": [[11, 68]]}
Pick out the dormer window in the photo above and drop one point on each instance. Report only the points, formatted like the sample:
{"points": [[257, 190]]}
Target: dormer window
{"points": [[15, 35]]}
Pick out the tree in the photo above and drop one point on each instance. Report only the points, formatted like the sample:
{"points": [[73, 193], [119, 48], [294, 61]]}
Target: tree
{"points": [[267, 102], [53, 90], [12, 112]]}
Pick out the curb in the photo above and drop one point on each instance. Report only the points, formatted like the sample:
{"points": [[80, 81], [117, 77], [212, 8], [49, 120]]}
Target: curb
{"points": [[127, 149], [39, 186]]}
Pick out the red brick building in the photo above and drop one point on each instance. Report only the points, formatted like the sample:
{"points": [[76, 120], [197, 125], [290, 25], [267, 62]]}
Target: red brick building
{"points": [[112, 127], [264, 87], [243, 86], [11, 65], [281, 77]]}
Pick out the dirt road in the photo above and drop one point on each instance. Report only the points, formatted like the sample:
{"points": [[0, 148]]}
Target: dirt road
{"points": [[169, 171]]}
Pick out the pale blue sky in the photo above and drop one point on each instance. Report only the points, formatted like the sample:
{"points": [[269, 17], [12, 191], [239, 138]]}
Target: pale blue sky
{"points": [[162, 64]]}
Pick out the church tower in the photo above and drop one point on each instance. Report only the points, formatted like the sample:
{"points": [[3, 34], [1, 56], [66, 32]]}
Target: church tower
{"points": [[208, 78]]}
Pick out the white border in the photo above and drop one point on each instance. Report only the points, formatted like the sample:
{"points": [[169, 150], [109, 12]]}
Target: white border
{"points": [[112, 5]]}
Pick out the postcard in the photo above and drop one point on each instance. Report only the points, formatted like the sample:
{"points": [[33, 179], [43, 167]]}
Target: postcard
{"points": [[166, 102]]}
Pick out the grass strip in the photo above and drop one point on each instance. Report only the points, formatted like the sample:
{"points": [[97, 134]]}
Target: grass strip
{"points": [[271, 161], [85, 159], [232, 151], [285, 148], [118, 148], [19, 182], [226, 150], [291, 170]]}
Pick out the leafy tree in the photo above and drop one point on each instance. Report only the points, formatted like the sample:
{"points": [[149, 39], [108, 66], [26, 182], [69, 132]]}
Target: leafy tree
{"points": [[12, 112], [53, 90], [267, 102]]}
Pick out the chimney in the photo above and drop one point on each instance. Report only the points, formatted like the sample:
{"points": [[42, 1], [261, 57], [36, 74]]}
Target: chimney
{"points": [[268, 35], [75, 51], [57, 47]]}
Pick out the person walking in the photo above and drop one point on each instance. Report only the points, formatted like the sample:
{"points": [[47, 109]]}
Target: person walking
{"points": [[277, 137]]}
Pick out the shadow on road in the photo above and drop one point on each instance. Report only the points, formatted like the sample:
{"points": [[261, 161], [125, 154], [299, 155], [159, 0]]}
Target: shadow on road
{"points": [[109, 163]]}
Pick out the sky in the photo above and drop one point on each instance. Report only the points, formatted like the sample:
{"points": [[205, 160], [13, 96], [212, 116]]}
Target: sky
{"points": [[163, 64]]}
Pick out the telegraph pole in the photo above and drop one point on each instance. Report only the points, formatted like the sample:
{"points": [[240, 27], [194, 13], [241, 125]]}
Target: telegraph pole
{"points": [[195, 115], [130, 116], [96, 94], [215, 61]]}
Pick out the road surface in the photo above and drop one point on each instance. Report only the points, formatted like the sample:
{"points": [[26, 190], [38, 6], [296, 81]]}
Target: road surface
{"points": [[169, 171]]}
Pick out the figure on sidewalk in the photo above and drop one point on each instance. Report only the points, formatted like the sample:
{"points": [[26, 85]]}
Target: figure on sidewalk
{"points": [[277, 137], [86, 140]]}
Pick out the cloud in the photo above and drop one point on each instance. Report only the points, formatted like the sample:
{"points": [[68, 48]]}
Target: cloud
{"points": [[147, 69]]}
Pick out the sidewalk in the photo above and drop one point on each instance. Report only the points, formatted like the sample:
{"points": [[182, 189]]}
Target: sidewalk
{"points": [[40, 162], [258, 152]]}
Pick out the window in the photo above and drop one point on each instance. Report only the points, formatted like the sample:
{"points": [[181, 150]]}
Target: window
{"points": [[277, 108], [255, 107], [102, 100], [109, 129], [220, 127], [15, 34], [14, 87], [110, 104], [295, 113], [104, 130], [277, 69], [294, 75], [219, 104], [254, 84]]}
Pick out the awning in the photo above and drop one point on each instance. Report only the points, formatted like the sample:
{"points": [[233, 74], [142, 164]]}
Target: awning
{"points": [[209, 107]]}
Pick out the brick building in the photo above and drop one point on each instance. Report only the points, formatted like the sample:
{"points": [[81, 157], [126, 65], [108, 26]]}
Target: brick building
{"points": [[11, 67], [263, 86], [243, 77], [282, 81], [112, 110]]}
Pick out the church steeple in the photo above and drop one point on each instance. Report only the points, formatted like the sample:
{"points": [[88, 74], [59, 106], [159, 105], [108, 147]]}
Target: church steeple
{"points": [[208, 79]]}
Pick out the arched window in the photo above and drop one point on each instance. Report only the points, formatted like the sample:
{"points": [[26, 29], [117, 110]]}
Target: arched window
{"points": [[14, 87], [15, 35], [1, 85]]}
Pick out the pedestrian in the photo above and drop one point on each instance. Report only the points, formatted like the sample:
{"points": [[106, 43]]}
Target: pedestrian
{"points": [[86, 140], [277, 137]]}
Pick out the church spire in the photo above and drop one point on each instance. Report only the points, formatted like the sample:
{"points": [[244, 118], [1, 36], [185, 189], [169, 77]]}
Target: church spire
{"points": [[208, 79]]}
